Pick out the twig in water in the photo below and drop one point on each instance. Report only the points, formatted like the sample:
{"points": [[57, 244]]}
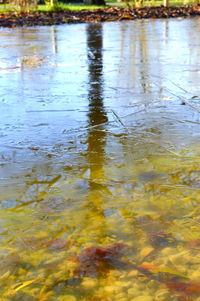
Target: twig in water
{"points": [[140, 111], [119, 120], [191, 106], [183, 99], [182, 120], [173, 83]]}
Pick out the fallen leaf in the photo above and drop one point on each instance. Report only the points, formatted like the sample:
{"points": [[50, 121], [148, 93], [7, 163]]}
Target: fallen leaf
{"points": [[193, 243], [184, 288], [96, 259], [24, 284], [162, 274]]}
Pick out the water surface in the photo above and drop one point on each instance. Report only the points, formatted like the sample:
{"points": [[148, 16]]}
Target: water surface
{"points": [[99, 146]]}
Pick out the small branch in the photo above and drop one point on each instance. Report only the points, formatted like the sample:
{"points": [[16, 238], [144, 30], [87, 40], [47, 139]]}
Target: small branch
{"points": [[173, 83], [191, 106], [182, 121], [119, 120], [183, 99]]}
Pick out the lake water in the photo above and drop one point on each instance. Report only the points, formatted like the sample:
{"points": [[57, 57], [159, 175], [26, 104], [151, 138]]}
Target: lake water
{"points": [[100, 161]]}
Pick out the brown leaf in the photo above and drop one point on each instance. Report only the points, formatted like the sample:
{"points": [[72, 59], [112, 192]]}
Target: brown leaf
{"points": [[184, 288], [193, 243], [96, 259]]}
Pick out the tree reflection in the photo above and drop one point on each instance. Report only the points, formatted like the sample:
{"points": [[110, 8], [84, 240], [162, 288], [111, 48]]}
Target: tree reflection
{"points": [[96, 118], [96, 115]]}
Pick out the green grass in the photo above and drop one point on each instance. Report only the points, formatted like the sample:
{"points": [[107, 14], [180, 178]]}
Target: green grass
{"points": [[5, 8], [60, 5], [78, 7], [63, 6]]}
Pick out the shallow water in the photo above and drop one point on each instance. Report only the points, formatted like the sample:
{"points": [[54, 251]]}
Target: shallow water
{"points": [[99, 145]]}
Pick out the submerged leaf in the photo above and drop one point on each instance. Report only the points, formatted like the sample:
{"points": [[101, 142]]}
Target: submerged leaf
{"points": [[184, 288], [24, 284], [148, 267], [96, 259], [193, 243], [161, 273]]}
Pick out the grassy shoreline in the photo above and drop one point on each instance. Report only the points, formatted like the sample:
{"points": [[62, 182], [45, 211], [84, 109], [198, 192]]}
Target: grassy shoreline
{"points": [[103, 14], [45, 8], [79, 7]]}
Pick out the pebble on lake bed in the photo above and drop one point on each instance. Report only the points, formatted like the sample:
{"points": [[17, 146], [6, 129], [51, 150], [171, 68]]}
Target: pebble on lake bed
{"points": [[195, 275], [89, 283], [120, 296], [162, 294], [111, 288], [133, 292], [67, 298], [143, 298], [146, 251], [133, 273]]}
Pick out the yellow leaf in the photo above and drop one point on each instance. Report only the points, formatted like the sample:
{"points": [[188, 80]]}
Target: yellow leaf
{"points": [[24, 284]]}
